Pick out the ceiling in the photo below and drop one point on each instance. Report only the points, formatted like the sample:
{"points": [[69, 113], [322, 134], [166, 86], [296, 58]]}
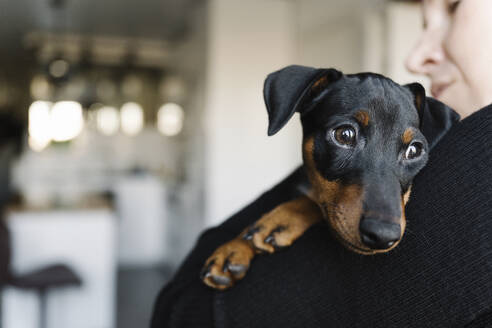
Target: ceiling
{"points": [[167, 20]]}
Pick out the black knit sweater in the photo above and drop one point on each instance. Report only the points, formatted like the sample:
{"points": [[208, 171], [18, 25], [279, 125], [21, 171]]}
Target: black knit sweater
{"points": [[439, 276]]}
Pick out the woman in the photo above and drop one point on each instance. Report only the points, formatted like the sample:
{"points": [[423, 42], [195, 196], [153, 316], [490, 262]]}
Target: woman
{"points": [[455, 52], [439, 276]]}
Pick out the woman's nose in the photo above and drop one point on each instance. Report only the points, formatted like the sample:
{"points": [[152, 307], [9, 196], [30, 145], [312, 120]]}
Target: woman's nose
{"points": [[426, 54]]}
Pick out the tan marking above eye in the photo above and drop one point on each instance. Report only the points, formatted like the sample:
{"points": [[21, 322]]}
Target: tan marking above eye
{"points": [[407, 136], [320, 83], [362, 117]]}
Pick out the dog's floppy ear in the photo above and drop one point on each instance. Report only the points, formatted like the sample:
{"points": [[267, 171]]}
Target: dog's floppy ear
{"points": [[286, 91], [435, 117]]}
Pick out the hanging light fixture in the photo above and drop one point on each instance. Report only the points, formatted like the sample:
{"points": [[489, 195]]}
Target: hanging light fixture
{"points": [[58, 68], [66, 120], [108, 120], [170, 119], [39, 125], [40, 87], [131, 118]]}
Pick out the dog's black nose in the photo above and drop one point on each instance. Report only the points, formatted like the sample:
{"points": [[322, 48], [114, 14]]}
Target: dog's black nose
{"points": [[377, 234]]}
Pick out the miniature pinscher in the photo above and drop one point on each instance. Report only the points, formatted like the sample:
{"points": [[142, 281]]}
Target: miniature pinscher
{"points": [[365, 138]]}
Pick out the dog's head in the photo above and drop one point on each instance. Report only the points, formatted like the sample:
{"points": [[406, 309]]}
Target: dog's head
{"points": [[365, 139]]}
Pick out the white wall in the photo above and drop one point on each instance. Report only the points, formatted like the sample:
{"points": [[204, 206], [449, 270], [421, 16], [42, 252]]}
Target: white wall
{"points": [[329, 34], [247, 40], [404, 26]]}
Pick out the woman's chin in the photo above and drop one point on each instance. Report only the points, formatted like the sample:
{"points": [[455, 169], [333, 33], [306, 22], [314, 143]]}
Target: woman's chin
{"points": [[457, 101]]}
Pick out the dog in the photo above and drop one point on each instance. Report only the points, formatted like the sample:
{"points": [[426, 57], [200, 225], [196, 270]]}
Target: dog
{"points": [[365, 138]]}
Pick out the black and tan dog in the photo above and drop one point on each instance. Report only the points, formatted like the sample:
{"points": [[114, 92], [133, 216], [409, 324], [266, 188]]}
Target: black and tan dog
{"points": [[365, 138]]}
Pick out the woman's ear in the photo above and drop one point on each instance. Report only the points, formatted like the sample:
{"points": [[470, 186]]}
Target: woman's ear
{"points": [[287, 90], [435, 117]]}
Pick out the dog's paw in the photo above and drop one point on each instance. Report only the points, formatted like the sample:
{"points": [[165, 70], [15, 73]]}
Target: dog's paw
{"points": [[227, 264], [278, 229]]}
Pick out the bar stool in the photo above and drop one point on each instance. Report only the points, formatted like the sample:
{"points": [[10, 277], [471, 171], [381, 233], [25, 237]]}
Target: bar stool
{"points": [[42, 281]]}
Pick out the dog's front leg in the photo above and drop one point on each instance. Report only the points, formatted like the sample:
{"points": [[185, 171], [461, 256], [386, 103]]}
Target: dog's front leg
{"points": [[283, 225], [276, 229]]}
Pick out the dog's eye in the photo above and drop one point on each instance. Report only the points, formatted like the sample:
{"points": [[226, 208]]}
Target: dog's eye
{"points": [[414, 150], [345, 135]]}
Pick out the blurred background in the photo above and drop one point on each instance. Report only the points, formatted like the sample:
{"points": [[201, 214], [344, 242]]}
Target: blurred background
{"points": [[128, 127]]}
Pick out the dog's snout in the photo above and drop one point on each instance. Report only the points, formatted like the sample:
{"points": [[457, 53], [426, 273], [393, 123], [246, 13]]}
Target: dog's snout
{"points": [[378, 234]]}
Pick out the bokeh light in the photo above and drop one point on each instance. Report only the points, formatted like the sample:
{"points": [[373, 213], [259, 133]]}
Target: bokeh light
{"points": [[131, 118], [39, 125], [67, 120], [170, 119], [108, 120], [40, 88], [58, 68]]}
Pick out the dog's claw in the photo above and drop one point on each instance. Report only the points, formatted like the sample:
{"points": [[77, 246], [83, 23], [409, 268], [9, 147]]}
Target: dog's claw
{"points": [[221, 280], [266, 241], [237, 269], [251, 232], [270, 239], [205, 273], [227, 264], [225, 267]]}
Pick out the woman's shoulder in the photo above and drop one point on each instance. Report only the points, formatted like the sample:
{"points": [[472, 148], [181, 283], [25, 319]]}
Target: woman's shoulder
{"points": [[442, 268], [473, 131]]}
